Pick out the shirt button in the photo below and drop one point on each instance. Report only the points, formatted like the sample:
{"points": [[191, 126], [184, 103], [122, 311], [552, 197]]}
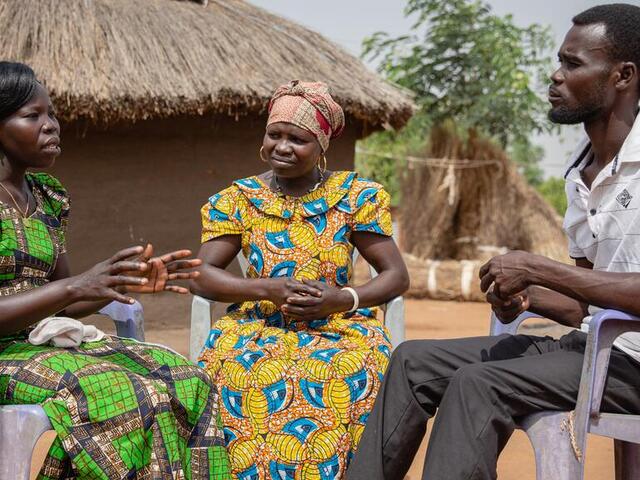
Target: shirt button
{"points": [[577, 189], [594, 235], [592, 211]]}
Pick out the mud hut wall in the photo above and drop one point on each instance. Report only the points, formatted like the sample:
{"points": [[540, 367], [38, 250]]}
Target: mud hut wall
{"points": [[147, 181]]}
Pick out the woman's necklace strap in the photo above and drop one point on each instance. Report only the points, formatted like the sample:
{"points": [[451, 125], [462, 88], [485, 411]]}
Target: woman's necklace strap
{"points": [[15, 202], [312, 189]]}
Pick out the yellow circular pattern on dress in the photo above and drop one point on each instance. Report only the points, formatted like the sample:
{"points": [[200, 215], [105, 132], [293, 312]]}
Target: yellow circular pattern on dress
{"points": [[303, 237]]}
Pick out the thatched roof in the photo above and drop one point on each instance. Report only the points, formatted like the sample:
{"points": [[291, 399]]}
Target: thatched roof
{"points": [[112, 60]]}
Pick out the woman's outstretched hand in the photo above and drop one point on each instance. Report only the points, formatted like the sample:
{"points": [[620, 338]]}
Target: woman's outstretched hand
{"points": [[162, 269], [108, 280]]}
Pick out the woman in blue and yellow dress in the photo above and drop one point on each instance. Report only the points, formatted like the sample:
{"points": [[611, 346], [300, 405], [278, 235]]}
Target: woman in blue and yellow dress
{"points": [[299, 355]]}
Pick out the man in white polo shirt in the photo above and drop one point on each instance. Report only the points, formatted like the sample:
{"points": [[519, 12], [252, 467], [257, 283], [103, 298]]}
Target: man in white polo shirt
{"points": [[603, 222], [479, 385]]}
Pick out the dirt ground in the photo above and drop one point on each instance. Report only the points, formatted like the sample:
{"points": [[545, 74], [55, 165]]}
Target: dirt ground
{"points": [[424, 319]]}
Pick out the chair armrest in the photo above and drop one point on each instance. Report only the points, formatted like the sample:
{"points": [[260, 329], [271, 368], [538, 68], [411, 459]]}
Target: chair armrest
{"points": [[393, 314], [605, 326], [394, 320], [201, 309], [128, 319], [499, 328]]}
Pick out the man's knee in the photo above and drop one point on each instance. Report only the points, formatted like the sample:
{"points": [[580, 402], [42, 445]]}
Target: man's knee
{"points": [[415, 361], [476, 377], [413, 352]]}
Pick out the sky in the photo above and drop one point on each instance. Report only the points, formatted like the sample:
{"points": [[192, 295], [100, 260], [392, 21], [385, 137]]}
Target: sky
{"points": [[348, 22]]}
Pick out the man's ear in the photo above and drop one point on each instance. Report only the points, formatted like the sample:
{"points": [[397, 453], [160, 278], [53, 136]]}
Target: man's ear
{"points": [[627, 76]]}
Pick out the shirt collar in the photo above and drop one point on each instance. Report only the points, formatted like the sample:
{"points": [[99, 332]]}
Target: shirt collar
{"points": [[630, 150]]}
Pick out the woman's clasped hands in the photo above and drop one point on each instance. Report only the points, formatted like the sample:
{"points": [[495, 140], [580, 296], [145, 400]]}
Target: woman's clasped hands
{"points": [[307, 300]]}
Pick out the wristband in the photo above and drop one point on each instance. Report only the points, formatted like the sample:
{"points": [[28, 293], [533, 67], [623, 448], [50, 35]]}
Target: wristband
{"points": [[356, 299]]}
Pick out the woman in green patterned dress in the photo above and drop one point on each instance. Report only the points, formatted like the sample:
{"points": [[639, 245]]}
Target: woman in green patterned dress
{"points": [[120, 408]]}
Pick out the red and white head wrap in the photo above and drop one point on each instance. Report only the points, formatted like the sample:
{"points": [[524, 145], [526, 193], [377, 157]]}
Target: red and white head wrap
{"points": [[308, 105]]}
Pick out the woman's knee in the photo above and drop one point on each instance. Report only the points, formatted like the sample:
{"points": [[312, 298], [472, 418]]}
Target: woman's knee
{"points": [[201, 390]]}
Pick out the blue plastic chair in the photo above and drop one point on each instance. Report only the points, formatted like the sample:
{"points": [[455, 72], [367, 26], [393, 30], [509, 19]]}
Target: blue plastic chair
{"points": [[202, 308], [559, 445], [22, 425]]}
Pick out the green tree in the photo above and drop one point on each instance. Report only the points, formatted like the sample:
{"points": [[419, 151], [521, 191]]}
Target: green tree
{"points": [[527, 157], [552, 189], [381, 156], [467, 64]]}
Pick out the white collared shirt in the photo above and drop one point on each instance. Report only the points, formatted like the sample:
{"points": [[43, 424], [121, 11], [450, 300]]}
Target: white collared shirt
{"points": [[603, 223]]}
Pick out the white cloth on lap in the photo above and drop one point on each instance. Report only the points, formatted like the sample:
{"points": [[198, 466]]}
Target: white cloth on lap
{"points": [[64, 332]]}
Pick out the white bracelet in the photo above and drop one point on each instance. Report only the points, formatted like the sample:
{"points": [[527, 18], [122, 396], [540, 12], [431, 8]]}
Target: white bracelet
{"points": [[356, 299]]}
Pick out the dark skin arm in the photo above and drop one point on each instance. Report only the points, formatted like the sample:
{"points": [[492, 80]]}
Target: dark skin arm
{"points": [[570, 288], [100, 283], [308, 300], [130, 270], [393, 279], [215, 283]]}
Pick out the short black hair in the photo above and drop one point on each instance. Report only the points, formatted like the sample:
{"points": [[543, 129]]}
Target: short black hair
{"points": [[622, 23], [17, 84]]}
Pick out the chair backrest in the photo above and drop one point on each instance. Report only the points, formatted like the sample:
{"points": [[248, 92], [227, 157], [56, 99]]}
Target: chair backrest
{"points": [[243, 262]]}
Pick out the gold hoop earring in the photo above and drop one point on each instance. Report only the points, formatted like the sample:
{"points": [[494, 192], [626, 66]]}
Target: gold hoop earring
{"points": [[322, 159], [261, 155]]}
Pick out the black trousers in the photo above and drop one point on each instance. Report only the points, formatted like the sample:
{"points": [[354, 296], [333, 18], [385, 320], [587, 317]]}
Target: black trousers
{"points": [[479, 386]]}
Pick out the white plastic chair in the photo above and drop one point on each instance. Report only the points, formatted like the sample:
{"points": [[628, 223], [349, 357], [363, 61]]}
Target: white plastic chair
{"points": [[22, 425], [554, 454], [202, 308]]}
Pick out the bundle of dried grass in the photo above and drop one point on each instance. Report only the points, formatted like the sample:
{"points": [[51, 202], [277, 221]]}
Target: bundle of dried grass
{"points": [[456, 214], [460, 209], [112, 60]]}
